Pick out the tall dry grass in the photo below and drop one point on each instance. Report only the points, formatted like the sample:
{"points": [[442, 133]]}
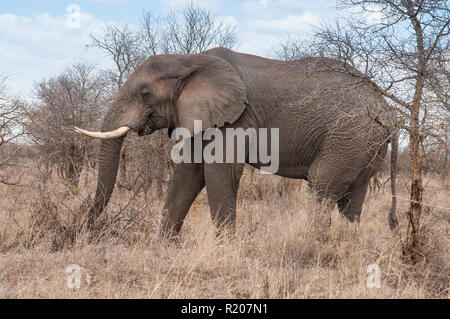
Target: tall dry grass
{"points": [[283, 247]]}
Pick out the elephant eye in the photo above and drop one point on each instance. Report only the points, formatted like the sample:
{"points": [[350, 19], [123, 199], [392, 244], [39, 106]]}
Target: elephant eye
{"points": [[146, 94]]}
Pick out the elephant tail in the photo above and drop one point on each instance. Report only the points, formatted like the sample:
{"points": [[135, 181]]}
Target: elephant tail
{"points": [[394, 156]]}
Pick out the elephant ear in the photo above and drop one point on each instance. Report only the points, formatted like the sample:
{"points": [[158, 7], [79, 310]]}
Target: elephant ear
{"points": [[211, 91]]}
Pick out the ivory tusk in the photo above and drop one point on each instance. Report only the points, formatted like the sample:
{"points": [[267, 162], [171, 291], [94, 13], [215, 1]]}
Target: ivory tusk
{"points": [[121, 131]]}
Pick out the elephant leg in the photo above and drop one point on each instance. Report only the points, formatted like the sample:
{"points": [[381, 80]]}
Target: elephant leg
{"points": [[222, 184], [350, 205], [185, 184]]}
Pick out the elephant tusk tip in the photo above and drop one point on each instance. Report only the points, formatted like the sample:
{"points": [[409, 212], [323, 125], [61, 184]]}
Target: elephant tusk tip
{"points": [[76, 129], [80, 131]]}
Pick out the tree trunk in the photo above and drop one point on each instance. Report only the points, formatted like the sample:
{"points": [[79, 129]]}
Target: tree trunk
{"points": [[415, 138], [415, 209]]}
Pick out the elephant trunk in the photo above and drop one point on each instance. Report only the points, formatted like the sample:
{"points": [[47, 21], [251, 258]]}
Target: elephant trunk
{"points": [[108, 160]]}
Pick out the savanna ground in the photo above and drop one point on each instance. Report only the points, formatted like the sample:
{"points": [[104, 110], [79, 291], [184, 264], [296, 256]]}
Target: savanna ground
{"points": [[284, 246]]}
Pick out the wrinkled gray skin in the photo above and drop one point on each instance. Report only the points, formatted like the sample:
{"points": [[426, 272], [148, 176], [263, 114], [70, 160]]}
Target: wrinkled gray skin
{"points": [[334, 131]]}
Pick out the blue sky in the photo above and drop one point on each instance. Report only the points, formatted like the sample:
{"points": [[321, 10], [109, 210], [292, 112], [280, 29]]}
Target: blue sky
{"points": [[36, 43]]}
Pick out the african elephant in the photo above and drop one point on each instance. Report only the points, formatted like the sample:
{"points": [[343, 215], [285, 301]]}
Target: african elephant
{"points": [[334, 128]]}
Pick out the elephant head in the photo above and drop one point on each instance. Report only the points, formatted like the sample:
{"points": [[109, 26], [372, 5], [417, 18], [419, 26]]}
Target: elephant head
{"points": [[166, 91]]}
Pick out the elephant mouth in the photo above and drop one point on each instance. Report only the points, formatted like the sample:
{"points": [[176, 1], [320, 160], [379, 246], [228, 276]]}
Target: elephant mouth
{"points": [[147, 128]]}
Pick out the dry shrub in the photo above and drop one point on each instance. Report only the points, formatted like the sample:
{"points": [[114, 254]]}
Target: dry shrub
{"points": [[55, 214]]}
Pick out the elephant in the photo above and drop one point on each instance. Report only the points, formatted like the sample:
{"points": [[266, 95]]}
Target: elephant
{"points": [[333, 127]]}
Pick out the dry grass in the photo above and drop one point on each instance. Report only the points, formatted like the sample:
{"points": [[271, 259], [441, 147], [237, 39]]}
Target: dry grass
{"points": [[283, 247]]}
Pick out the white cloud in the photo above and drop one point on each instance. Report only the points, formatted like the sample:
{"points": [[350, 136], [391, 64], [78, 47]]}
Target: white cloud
{"points": [[228, 20], [113, 1], [40, 46], [213, 5], [372, 13], [290, 23], [257, 43], [262, 37], [265, 9], [267, 23]]}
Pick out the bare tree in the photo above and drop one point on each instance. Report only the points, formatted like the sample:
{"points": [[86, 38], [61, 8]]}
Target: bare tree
{"points": [[150, 34], [74, 98], [122, 45], [11, 116], [401, 47], [193, 30]]}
